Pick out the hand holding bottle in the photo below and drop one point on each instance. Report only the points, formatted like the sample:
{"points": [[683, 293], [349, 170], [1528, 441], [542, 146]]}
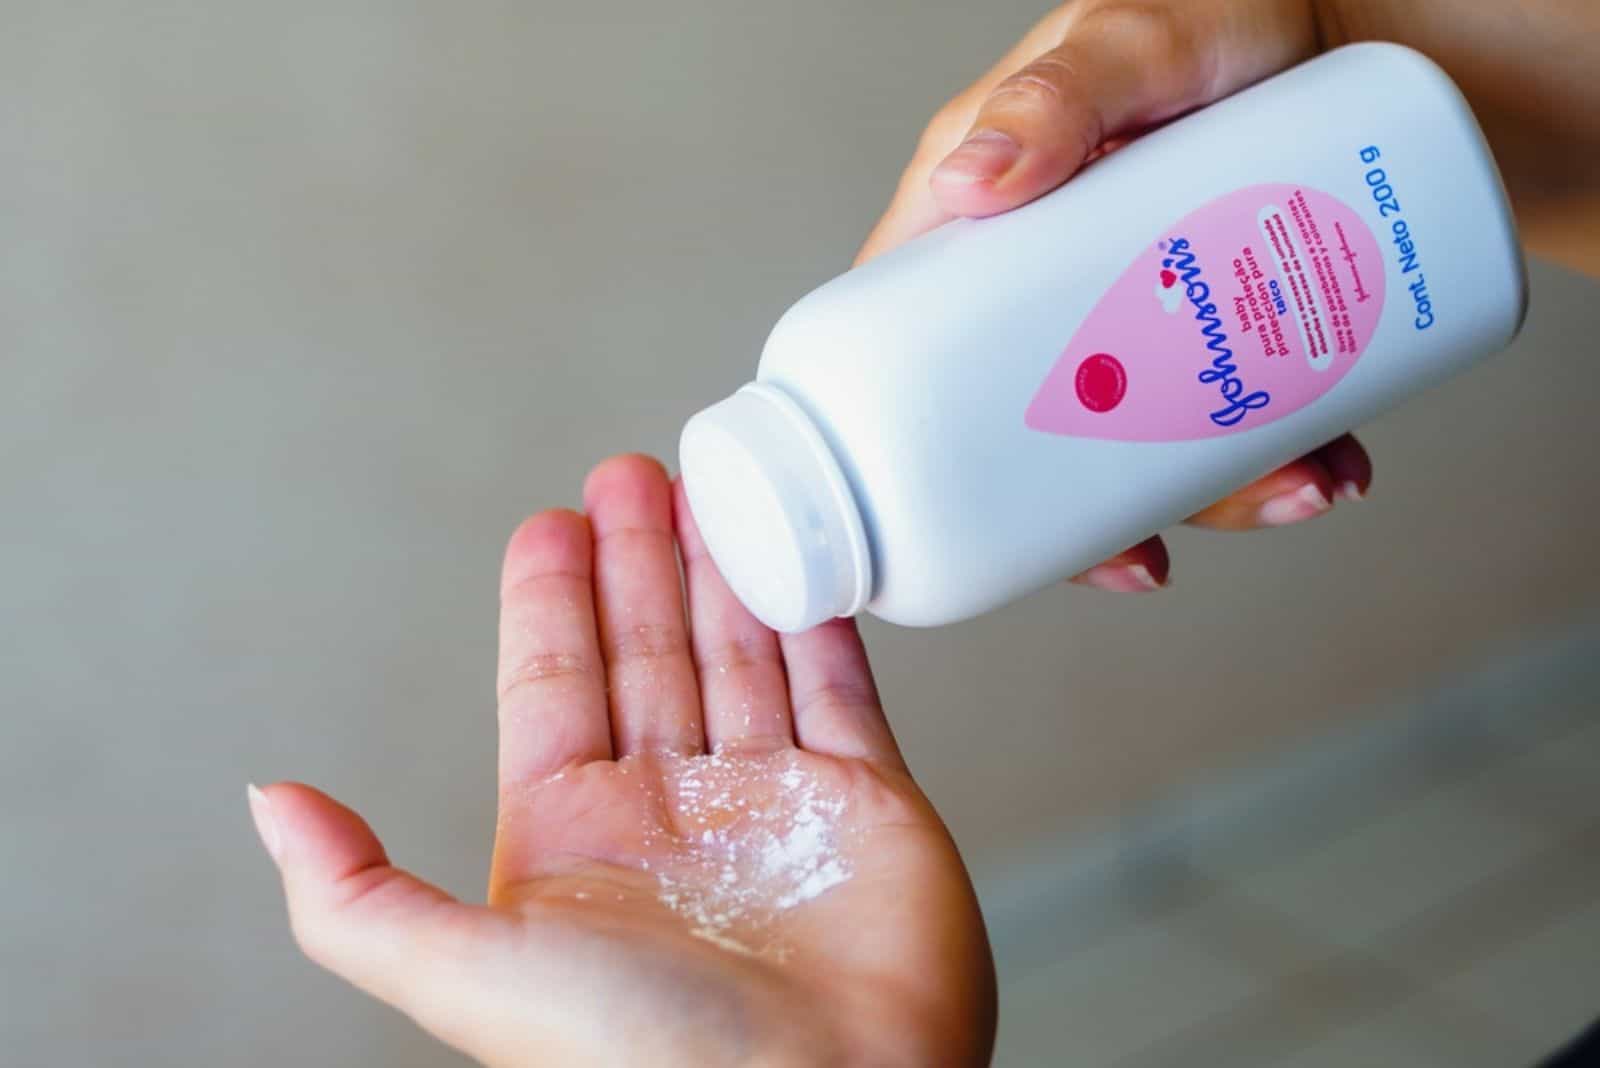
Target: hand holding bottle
{"points": [[1094, 73]]}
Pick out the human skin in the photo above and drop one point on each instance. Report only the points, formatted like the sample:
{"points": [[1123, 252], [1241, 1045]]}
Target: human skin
{"points": [[616, 683]]}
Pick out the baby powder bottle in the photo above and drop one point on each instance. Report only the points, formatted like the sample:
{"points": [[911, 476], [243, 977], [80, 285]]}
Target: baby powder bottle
{"points": [[1004, 402]]}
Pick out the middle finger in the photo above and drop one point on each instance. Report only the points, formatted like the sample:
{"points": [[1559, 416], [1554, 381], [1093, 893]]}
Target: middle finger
{"points": [[655, 704]]}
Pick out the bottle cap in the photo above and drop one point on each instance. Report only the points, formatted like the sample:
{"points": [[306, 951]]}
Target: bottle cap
{"points": [[775, 510]]}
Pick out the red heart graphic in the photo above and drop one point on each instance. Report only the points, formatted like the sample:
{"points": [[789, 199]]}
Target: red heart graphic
{"points": [[1167, 278]]}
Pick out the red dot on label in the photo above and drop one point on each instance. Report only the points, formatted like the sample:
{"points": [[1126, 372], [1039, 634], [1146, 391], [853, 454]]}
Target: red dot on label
{"points": [[1101, 382]]}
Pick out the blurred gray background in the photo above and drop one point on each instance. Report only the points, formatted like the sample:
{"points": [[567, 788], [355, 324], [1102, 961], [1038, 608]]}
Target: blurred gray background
{"points": [[304, 306]]}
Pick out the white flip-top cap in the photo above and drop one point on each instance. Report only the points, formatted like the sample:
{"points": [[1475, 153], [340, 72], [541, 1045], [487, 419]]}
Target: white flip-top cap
{"points": [[775, 510]]}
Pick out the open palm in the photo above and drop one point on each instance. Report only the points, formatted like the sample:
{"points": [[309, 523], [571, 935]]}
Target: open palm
{"points": [[709, 850]]}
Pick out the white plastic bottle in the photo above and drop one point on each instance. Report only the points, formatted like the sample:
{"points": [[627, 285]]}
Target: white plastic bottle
{"points": [[1004, 402]]}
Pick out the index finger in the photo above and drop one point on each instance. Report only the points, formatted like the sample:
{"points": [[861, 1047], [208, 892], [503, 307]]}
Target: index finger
{"points": [[553, 709]]}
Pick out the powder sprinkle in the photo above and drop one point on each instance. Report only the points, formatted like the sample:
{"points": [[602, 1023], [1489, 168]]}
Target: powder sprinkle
{"points": [[751, 845]]}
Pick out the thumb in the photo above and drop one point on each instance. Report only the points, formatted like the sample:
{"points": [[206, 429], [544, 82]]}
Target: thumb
{"points": [[400, 939], [1119, 68]]}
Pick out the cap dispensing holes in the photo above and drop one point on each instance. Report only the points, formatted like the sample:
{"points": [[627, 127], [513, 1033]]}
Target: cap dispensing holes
{"points": [[775, 510]]}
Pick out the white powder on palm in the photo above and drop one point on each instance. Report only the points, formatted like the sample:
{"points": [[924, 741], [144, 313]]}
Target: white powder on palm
{"points": [[747, 852]]}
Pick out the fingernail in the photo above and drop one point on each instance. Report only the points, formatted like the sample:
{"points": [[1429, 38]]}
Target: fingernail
{"points": [[983, 157], [266, 823], [1122, 578], [1304, 503], [1350, 491]]}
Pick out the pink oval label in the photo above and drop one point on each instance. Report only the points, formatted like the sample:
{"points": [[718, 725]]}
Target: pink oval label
{"points": [[1246, 310]]}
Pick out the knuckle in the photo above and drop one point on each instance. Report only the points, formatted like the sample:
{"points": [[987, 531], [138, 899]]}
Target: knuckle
{"points": [[540, 670], [322, 921], [1042, 84], [837, 697], [311, 935], [531, 588], [736, 654], [649, 535], [646, 641], [1046, 91]]}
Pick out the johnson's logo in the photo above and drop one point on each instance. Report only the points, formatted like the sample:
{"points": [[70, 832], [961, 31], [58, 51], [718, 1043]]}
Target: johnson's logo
{"points": [[1180, 263], [1200, 335]]}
